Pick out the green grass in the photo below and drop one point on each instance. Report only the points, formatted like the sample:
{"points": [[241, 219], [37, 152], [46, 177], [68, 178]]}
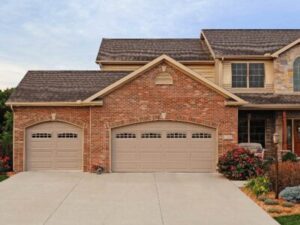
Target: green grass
{"points": [[3, 177], [288, 220]]}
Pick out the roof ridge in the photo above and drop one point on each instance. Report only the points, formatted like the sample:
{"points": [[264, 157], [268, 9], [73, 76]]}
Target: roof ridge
{"points": [[251, 29], [134, 39]]}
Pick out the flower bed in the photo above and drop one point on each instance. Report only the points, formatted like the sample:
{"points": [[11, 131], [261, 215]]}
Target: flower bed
{"points": [[279, 210]]}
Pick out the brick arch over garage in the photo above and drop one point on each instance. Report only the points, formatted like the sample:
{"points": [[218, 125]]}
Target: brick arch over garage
{"points": [[70, 121]]}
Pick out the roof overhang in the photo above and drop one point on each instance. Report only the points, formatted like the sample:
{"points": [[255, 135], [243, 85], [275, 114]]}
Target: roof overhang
{"points": [[185, 62], [78, 103], [176, 64], [270, 107], [208, 45], [285, 48], [247, 57]]}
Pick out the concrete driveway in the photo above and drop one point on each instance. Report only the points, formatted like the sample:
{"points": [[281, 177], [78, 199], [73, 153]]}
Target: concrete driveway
{"points": [[70, 198]]}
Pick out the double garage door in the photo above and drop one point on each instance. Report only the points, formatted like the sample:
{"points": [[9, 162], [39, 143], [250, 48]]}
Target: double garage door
{"points": [[163, 147], [145, 147], [53, 146]]}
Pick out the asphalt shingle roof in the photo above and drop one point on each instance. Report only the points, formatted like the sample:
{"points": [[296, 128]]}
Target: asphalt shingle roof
{"points": [[269, 98], [62, 86], [149, 49], [226, 42]]}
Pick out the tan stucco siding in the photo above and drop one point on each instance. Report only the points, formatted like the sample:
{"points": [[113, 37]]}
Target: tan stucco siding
{"points": [[226, 80], [208, 71]]}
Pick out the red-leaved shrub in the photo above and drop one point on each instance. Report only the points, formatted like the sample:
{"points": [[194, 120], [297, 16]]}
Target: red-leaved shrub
{"points": [[4, 163], [240, 164], [289, 175]]}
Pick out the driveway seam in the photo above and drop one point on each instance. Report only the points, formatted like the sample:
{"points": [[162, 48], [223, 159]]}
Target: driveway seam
{"points": [[62, 201], [158, 198]]}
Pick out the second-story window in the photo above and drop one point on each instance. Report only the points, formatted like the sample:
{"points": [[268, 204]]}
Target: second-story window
{"points": [[250, 75]]}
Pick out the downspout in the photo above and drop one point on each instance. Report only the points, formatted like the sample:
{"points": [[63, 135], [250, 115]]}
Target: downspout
{"points": [[13, 138], [222, 72], [284, 131], [90, 138]]}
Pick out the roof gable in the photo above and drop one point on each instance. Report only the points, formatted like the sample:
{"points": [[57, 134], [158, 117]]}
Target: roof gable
{"points": [[174, 63], [249, 42], [285, 48]]}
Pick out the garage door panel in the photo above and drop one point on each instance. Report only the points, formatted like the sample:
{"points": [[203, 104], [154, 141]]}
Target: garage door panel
{"points": [[53, 146], [202, 155], [127, 157], [126, 166], [150, 157], [66, 165], [39, 165], [171, 147], [68, 153], [41, 144], [40, 155], [201, 164], [151, 166], [148, 146]]}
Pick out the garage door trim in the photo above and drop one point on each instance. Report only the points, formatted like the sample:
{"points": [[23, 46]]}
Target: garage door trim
{"points": [[216, 128], [47, 121]]}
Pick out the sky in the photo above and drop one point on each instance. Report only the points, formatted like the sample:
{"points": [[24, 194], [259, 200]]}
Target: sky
{"points": [[66, 34]]}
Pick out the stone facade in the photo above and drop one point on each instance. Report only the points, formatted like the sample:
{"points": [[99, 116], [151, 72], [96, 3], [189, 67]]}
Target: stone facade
{"points": [[140, 100], [283, 70]]}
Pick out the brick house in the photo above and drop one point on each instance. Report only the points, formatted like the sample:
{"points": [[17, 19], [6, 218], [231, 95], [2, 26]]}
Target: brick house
{"points": [[168, 105]]}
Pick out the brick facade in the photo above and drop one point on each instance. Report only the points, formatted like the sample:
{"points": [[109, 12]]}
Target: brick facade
{"points": [[140, 100]]}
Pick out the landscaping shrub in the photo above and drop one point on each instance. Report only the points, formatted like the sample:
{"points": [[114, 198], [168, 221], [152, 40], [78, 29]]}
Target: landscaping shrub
{"points": [[4, 163], [289, 156], [288, 204], [274, 210], [291, 194], [259, 185], [289, 175], [269, 201], [262, 198], [240, 164]]}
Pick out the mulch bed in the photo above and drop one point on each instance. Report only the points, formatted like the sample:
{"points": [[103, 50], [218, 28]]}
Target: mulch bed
{"points": [[284, 210], [9, 174]]}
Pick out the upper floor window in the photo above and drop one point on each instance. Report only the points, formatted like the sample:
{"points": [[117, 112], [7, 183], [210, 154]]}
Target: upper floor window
{"points": [[297, 74], [248, 75]]}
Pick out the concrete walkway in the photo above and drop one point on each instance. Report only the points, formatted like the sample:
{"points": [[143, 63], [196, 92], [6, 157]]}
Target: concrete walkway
{"points": [[70, 198]]}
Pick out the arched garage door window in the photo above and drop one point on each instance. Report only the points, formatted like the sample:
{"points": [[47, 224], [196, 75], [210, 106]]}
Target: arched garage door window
{"points": [[297, 74]]}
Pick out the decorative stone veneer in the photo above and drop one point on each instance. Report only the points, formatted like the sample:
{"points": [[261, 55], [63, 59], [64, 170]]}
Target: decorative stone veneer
{"points": [[283, 70], [140, 100]]}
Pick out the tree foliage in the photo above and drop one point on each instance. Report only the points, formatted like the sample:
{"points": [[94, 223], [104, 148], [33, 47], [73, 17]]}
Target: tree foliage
{"points": [[6, 126]]}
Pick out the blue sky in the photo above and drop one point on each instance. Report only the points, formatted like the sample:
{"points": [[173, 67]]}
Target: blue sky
{"points": [[66, 34]]}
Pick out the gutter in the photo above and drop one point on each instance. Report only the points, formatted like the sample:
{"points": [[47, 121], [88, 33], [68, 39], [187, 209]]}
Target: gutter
{"points": [[78, 103], [185, 62], [270, 107], [254, 57]]}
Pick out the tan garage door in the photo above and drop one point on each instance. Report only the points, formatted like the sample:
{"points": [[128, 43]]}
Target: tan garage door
{"points": [[54, 146], [163, 147]]}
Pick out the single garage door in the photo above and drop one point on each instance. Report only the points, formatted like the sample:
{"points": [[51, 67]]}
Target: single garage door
{"points": [[163, 147], [54, 146]]}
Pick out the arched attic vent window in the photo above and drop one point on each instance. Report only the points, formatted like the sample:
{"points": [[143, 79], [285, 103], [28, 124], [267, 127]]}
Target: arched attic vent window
{"points": [[296, 74]]}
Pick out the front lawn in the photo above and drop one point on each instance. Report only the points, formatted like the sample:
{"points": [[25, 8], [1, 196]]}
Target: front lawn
{"points": [[3, 177], [288, 220]]}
